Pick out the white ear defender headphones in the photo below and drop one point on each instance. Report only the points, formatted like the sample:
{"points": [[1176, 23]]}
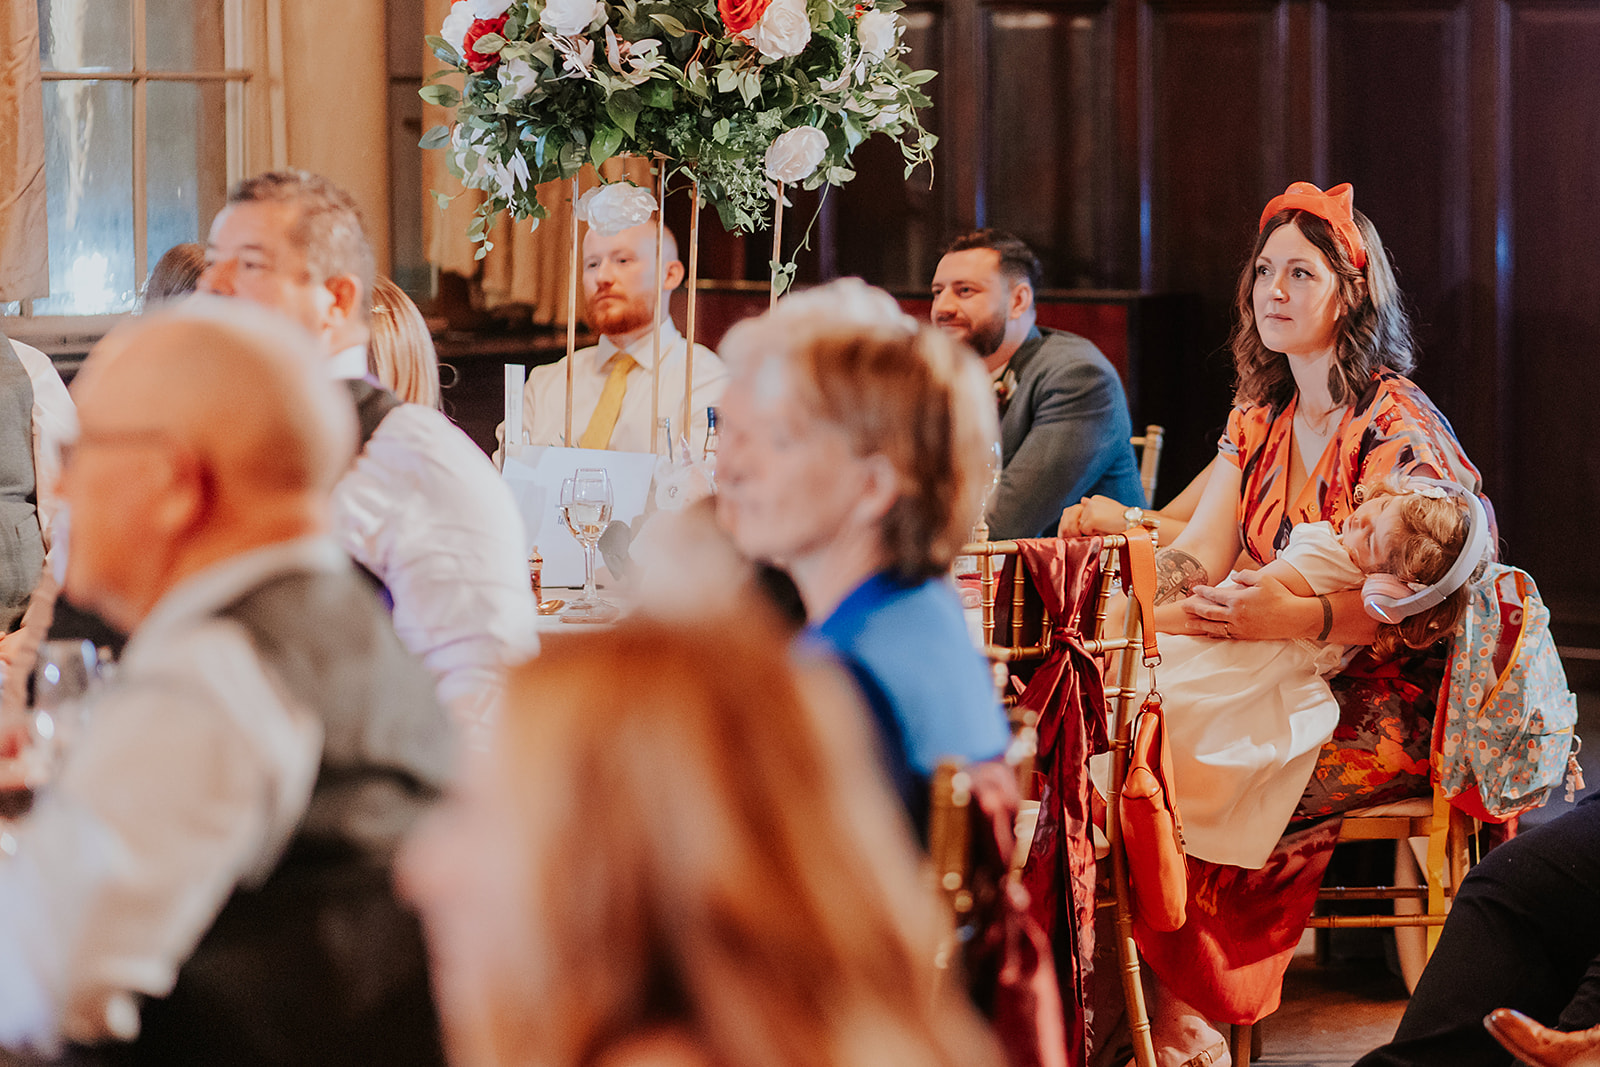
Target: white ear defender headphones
{"points": [[1389, 598]]}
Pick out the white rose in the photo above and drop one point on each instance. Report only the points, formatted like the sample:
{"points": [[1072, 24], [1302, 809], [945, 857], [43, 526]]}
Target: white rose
{"points": [[456, 25], [877, 31], [519, 78], [795, 155], [488, 9], [614, 207], [784, 30], [569, 18]]}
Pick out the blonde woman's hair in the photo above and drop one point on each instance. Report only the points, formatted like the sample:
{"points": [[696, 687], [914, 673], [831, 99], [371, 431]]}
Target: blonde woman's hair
{"points": [[897, 388], [401, 353], [1433, 532], [712, 851]]}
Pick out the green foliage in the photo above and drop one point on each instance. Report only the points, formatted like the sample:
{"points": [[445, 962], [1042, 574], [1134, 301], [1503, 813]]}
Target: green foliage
{"points": [[673, 82]]}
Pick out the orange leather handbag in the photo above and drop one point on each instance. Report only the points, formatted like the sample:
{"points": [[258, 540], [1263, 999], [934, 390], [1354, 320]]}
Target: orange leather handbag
{"points": [[1152, 832]]}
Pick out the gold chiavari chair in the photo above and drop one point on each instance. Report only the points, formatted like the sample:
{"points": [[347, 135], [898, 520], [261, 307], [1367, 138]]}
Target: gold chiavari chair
{"points": [[950, 852], [1014, 647], [1148, 445], [1421, 905]]}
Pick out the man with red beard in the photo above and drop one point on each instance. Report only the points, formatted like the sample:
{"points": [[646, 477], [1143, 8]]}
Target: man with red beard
{"points": [[611, 390], [1064, 423]]}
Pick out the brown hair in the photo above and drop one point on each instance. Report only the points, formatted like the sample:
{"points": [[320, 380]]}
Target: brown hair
{"points": [[401, 352], [712, 852], [328, 229], [176, 273], [1017, 260], [1433, 532], [897, 388], [1373, 331]]}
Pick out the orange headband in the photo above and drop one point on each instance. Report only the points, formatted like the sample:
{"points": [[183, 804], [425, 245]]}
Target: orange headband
{"points": [[1336, 207]]}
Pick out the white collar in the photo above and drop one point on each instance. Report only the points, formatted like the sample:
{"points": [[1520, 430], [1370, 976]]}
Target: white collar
{"points": [[215, 587], [349, 363], [642, 350]]}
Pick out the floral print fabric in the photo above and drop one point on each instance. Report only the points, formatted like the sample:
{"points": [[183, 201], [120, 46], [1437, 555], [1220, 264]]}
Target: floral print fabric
{"points": [[1228, 960]]}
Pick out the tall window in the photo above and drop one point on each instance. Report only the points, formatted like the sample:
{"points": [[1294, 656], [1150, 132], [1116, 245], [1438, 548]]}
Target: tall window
{"points": [[148, 116]]}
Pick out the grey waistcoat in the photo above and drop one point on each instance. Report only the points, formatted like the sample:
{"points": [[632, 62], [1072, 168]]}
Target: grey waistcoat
{"points": [[21, 542], [322, 964]]}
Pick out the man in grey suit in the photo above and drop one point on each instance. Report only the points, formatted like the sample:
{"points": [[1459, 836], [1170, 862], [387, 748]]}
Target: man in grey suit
{"points": [[1064, 423]]}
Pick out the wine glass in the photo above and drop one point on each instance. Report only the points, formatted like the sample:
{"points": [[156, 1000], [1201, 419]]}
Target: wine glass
{"points": [[34, 739], [993, 464], [62, 677], [586, 509]]}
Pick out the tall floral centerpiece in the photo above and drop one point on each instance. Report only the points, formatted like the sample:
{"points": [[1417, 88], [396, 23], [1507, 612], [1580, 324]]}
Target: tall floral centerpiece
{"points": [[741, 96]]}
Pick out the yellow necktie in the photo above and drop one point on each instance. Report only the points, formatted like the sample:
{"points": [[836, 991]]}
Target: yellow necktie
{"points": [[598, 433]]}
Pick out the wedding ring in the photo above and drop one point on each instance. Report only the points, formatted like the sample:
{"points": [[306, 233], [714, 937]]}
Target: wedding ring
{"points": [[1227, 632]]}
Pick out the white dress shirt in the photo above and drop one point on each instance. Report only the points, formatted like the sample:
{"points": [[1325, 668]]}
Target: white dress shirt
{"points": [[55, 420], [194, 772], [424, 510], [545, 395]]}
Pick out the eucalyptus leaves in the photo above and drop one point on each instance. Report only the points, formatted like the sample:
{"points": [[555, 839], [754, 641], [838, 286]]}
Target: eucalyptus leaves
{"points": [[552, 85]]}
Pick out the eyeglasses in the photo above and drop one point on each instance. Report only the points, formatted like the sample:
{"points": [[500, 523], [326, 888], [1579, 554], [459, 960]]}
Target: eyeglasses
{"points": [[111, 439]]}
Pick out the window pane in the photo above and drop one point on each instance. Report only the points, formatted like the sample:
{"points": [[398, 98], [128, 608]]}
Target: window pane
{"points": [[89, 171], [86, 34], [187, 161], [184, 34]]}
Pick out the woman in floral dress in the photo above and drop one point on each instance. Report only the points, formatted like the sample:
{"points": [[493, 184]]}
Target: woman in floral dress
{"points": [[1322, 406]]}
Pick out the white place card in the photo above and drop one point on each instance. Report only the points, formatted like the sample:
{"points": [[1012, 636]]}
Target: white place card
{"points": [[534, 474]]}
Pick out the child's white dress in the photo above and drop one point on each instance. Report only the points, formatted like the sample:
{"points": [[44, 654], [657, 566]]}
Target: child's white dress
{"points": [[1246, 719]]}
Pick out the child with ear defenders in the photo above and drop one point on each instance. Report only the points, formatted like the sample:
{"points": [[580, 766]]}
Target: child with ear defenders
{"points": [[1246, 719]]}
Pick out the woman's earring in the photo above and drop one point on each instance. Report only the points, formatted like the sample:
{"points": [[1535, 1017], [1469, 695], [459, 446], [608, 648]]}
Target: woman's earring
{"points": [[1360, 495]]}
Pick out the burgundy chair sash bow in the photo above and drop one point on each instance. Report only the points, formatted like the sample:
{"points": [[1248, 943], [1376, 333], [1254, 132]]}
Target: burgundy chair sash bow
{"points": [[1065, 691]]}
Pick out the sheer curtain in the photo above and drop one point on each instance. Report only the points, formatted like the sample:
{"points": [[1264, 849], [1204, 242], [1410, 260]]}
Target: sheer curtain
{"points": [[24, 259], [527, 266]]}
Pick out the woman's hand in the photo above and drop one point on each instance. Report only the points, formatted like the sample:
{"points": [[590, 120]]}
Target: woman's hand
{"points": [[1174, 618], [1255, 607], [1093, 515]]}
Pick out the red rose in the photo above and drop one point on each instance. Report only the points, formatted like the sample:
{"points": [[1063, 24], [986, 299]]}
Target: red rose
{"points": [[740, 15], [477, 62]]}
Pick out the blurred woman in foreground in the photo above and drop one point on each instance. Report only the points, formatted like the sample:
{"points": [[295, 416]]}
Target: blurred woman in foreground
{"points": [[680, 854], [856, 452]]}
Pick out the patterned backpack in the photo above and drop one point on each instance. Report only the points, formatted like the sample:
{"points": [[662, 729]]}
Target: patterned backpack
{"points": [[1503, 735]]}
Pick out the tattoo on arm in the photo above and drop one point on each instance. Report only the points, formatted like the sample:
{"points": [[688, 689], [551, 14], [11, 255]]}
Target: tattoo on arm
{"points": [[1177, 573]]}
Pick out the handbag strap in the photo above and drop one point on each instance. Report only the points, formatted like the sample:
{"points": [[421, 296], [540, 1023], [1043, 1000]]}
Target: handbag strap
{"points": [[1139, 580]]}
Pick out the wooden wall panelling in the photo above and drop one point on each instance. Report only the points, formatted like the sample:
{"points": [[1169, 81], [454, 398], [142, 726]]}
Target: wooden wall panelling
{"points": [[1555, 155], [1049, 123], [1486, 364], [1399, 102], [1216, 116], [966, 142], [1126, 246], [1303, 43], [882, 201]]}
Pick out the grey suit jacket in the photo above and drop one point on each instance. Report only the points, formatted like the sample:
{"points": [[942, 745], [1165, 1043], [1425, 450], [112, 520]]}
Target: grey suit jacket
{"points": [[1064, 435]]}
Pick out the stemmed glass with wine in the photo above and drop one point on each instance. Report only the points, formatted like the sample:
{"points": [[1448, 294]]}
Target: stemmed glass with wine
{"points": [[586, 508], [34, 739]]}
